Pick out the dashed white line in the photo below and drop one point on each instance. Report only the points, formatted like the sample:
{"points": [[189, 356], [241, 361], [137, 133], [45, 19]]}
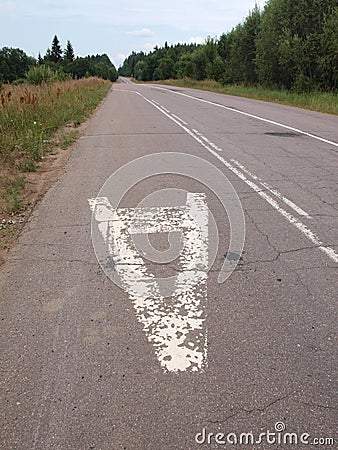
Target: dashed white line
{"points": [[310, 235], [178, 118], [207, 140], [288, 202]]}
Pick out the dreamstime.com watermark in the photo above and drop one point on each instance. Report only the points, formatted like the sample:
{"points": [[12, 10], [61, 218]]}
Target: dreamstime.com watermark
{"points": [[280, 436]]}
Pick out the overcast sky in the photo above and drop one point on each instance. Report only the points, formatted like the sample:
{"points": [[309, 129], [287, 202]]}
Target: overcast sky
{"points": [[115, 27]]}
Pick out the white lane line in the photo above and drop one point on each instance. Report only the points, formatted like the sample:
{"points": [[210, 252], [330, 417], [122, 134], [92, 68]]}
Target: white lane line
{"points": [[178, 118], [310, 235], [176, 328], [253, 116], [207, 140], [287, 201]]}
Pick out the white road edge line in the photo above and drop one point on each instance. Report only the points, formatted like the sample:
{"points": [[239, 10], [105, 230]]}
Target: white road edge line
{"points": [[311, 236], [313, 136]]}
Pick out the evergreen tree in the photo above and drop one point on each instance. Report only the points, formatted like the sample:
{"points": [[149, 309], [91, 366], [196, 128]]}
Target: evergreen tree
{"points": [[56, 51], [47, 57], [40, 59], [69, 52]]}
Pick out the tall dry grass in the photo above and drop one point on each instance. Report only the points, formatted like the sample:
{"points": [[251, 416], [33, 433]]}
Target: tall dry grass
{"points": [[30, 116]]}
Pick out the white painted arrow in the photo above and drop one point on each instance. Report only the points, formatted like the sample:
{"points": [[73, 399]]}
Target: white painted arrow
{"points": [[174, 321]]}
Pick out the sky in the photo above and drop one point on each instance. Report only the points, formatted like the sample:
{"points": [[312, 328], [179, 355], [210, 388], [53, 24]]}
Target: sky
{"points": [[116, 27]]}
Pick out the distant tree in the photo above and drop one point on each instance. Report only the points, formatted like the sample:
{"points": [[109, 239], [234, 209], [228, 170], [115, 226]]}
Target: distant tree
{"points": [[14, 64], [245, 52], [104, 58], [327, 69], [166, 68], [112, 73], [40, 59], [184, 67], [56, 50], [140, 70], [128, 67], [82, 67], [69, 52], [200, 60], [47, 57], [102, 70], [158, 74], [217, 69]]}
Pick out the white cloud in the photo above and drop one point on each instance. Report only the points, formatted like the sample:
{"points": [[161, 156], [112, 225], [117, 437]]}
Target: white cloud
{"points": [[144, 32]]}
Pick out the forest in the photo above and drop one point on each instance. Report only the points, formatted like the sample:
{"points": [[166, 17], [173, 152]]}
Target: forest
{"points": [[288, 44], [56, 65]]}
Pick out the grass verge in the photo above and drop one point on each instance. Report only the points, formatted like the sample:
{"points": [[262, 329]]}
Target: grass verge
{"points": [[324, 102], [37, 125]]}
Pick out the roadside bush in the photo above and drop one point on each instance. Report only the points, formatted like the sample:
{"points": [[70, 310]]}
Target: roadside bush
{"points": [[44, 74]]}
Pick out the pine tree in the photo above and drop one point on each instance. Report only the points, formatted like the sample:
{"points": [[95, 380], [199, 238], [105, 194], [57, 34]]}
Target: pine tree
{"points": [[47, 57], [40, 59], [56, 51], [69, 52]]}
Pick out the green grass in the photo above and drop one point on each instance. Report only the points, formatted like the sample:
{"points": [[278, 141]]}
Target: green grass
{"points": [[10, 196], [33, 121], [324, 102], [68, 138]]}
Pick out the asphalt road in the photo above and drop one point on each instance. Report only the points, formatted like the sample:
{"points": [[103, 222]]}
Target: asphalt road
{"points": [[86, 364]]}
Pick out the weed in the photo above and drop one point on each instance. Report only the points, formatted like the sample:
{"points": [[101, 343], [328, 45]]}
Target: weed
{"points": [[28, 166], [10, 193], [68, 138]]}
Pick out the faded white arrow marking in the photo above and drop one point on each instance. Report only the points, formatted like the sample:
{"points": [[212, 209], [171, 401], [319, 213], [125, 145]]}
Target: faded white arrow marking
{"points": [[174, 324]]}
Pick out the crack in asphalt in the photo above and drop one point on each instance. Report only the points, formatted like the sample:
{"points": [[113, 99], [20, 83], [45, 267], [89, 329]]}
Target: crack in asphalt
{"points": [[250, 411], [301, 282], [65, 260], [315, 405], [252, 220], [304, 188]]}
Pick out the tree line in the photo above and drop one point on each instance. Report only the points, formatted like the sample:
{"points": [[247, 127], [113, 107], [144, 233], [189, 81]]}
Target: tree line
{"points": [[16, 65], [289, 44]]}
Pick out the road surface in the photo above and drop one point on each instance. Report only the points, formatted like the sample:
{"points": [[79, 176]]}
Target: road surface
{"points": [[87, 364]]}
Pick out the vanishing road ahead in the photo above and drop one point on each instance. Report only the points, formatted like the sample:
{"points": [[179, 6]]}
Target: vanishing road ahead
{"points": [[88, 364]]}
